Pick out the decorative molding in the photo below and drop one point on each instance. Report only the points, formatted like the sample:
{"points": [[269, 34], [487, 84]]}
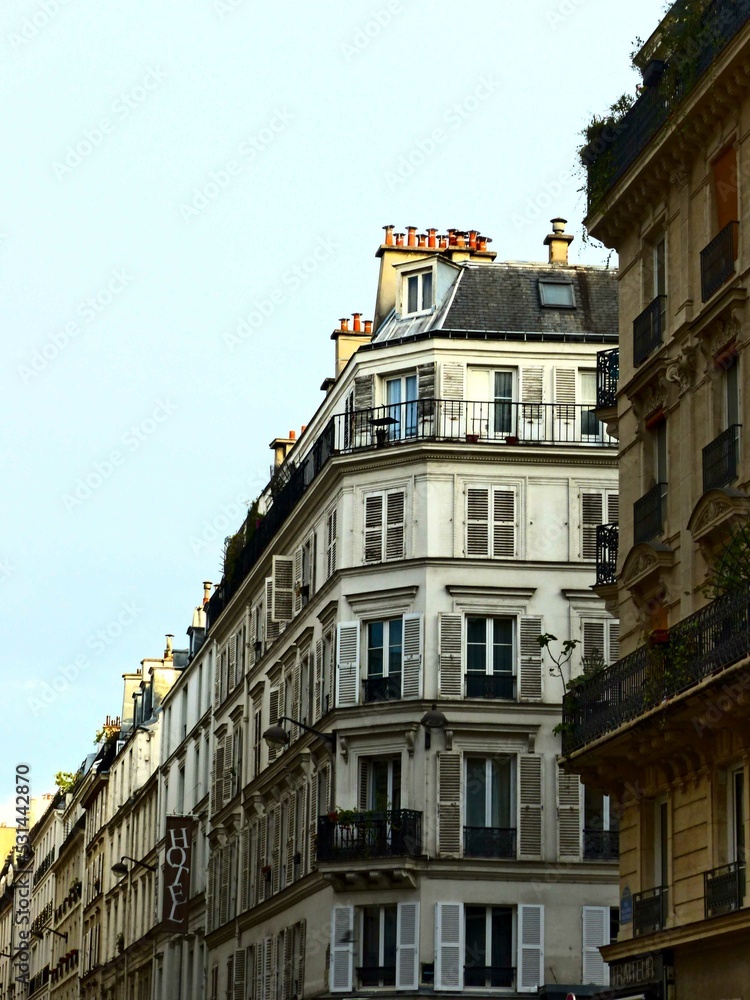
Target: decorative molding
{"points": [[683, 370], [396, 600], [715, 512]]}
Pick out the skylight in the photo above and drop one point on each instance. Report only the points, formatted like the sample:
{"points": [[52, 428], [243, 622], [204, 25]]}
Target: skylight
{"points": [[556, 294]]}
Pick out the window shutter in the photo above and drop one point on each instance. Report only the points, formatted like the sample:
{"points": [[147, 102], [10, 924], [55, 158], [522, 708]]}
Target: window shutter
{"points": [[613, 508], [215, 983], [228, 767], [298, 580], [592, 509], [395, 528], [450, 641], [342, 949], [210, 882], [290, 844], [231, 672], [230, 977], [252, 637], [595, 936], [363, 784], [224, 887], [218, 782], [364, 392], [530, 805], [273, 718], [313, 819], [288, 966], [374, 527], [530, 948], [565, 386], [267, 967], [296, 697], [568, 817], [276, 855], [257, 740], [452, 379], [426, 381], [503, 524], [593, 639], [331, 528], [301, 935], [449, 804], [530, 628], [411, 673], [347, 664], [532, 385], [614, 640], [449, 946], [407, 947], [282, 574], [246, 869], [477, 521], [240, 986], [318, 680], [272, 627], [262, 857]]}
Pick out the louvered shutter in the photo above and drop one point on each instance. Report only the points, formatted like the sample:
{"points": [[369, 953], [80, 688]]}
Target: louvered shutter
{"points": [[364, 392], [530, 628], [407, 947], [282, 575], [449, 804], [240, 979], [613, 508], [532, 385], [347, 664], [312, 548], [250, 972], [215, 983], [329, 668], [530, 948], [301, 935], [342, 949], [530, 806], [228, 768], [503, 523], [246, 868], [395, 527], [273, 718], [232, 660], [296, 696], [276, 857], [252, 636], [477, 521], [224, 887], [272, 627], [593, 647], [318, 680], [331, 529], [452, 381], [260, 993], [595, 936], [565, 398], [218, 782], [230, 977], [290, 842], [374, 527], [268, 966], [614, 640], [210, 889], [450, 642], [262, 858], [532, 396], [288, 966], [363, 784], [411, 672], [449, 947], [312, 820], [297, 580], [217, 684], [568, 817], [592, 510]]}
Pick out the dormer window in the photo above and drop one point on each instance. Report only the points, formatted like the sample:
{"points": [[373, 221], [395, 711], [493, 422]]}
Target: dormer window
{"points": [[556, 294], [418, 296]]}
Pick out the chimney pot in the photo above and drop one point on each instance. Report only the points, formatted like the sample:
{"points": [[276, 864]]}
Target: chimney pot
{"points": [[344, 321], [451, 237], [422, 240], [399, 239], [461, 239], [443, 240], [292, 435], [411, 230], [368, 326], [558, 242], [356, 325], [431, 241], [206, 591], [473, 238], [389, 235]]}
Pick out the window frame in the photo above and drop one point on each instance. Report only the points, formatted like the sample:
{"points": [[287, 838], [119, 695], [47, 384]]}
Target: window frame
{"points": [[511, 804], [418, 273], [549, 282], [488, 942], [381, 909]]}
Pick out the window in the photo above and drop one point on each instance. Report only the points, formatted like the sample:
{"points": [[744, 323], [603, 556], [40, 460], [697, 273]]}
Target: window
{"points": [[597, 507], [418, 296], [489, 831], [378, 953], [488, 956], [661, 843], [590, 426], [600, 646], [601, 839], [331, 543], [731, 391], [737, 815], [556, 294], [380, 784], [659, 445], [491, 522], [490, 658], [401, 396], [384, 526], [384, 660], [503, 403]]}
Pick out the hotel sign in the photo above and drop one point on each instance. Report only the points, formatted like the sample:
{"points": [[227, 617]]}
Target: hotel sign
{"points": [[178, 860]]}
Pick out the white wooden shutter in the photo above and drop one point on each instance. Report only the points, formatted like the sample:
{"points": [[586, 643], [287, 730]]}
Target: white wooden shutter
{"points": [[240, 978], [318, 680], [407, 947], [342, 949], [614, 640], [224, 887], [595, 936], [613, 508], [312, 805], [282, 575], [273, 718], [301, 935], [215, 983], [331, 529], [452, 380], [252, 636], [530, 628], [232, 669], [347, 664], [530, 948], [272, 627], [245, 903], [568, 817], [594, 639], [288, 966], [395, 526], [290, 841], [532, 385], [218, 776], [210, 884], [312, 552], [374, 527], [276, 853], [449, 946], [411, 673], [298, 580], [530, 806], [477, 521], [592, 513], [363, 784], [228, 767], [449, 804], [296, 697], [565, 386], [503, 523], [267, 967], [450, 643]]}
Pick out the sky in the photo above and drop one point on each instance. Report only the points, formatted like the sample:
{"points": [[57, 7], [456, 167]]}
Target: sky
{"points": [[192, 195]]}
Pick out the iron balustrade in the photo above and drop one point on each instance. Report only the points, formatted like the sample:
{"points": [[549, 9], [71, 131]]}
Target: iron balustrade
{"points": [[489, 976], [702, 644], [601, 845], [358, 836], [648, 329], [718, 260], [720, 459], [383, 688], [724, 889], [650, 910], [376, 975], [607, 542], [491, 686], [607, 374], [648, 514], [489, 842]]}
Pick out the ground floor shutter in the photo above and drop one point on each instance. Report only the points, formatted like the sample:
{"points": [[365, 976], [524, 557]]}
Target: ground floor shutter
{"points": [[530, 948], [449, 946]]}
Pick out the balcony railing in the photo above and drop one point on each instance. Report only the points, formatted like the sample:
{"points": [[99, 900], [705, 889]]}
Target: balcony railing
{"points": [[609, 158], [495, 424], [601, 845], [491, 686], [706, 642], [383, 688], [489, 842], [648, 514], [358, 836], [724, 889], [648, 329], [489, 976], [607, 374], [720, 459], [717, 260], [607, 542], [650, 911], [376, 975]]}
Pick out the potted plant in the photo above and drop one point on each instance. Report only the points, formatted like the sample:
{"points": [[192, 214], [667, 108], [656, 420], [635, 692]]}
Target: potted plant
{"points": [[511, 439]]}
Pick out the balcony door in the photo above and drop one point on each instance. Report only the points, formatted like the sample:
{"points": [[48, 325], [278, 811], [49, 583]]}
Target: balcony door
{"points": [[490, 658], [380, 784], [384, 660], [489, 797], [600, 827], [737, 815], [401, 396]]}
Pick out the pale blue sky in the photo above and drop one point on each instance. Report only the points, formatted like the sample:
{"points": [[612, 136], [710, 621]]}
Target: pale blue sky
{"points": [[168, 165]]}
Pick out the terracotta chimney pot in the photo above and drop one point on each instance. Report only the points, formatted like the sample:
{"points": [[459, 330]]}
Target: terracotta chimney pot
{"points": [[412, 240], [389, 235], [357, 325]]}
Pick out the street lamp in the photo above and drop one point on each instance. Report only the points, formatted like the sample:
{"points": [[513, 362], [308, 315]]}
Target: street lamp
{"points": [[277, 737], [120, 868], [39, 935], [433, 719]]}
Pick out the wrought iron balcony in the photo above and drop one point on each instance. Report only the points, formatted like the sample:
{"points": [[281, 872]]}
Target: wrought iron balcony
{"points": [[648, 514], [650, 910], [489, 842], [724, 889], [601, 845], [376, 975], [358, 836], [720, 459], [700, 645], [491, 686], [607, 542], [718, 260], [383, 688], [648, 329], [489, 976], [607, 374]]}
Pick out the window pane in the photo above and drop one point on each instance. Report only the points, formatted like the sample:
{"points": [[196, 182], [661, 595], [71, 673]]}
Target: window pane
{"points": [[412, 285], [379, 786], [502, 649], [502, 937], [503, 398], [739, 816], [375, 649], [476, 936], [476, 792], [393, 391], [395, 639], [476, 644], [660, 270], [395, 802], [427, 290], [556, 293], [593, 810], [371, 937], [500, 771], [389, 936]]}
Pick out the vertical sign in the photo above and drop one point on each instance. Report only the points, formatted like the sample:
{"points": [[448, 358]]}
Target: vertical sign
{"points": [[177, 863]]}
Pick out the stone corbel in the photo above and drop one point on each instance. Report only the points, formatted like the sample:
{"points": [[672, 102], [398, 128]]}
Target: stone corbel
{"points": [[410, 735], [531, 742], [343, 742], [652, 397], [718, 335], [682, 371], [448, 739]]}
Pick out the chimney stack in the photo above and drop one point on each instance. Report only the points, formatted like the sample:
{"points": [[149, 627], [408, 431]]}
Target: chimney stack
{"points": [[349, 339], [206, 592], [168, 650], [558, 242], [281, 448]]}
